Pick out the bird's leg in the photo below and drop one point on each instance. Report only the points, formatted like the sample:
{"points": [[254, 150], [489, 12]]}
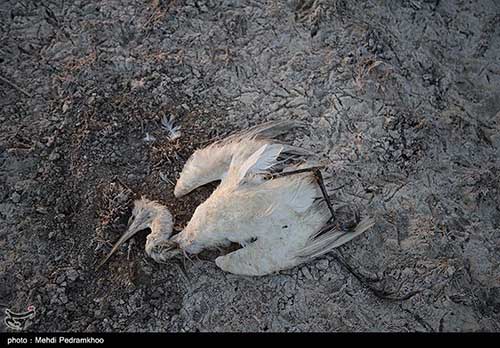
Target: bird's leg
{"points": [[181, 266], [380, 293], [298, 171], [321, 183], [129, 250], [130, 262]]}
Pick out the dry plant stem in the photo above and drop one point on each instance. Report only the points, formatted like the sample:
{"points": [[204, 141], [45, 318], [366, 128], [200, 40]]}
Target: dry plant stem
{"points": [[15, 86]]}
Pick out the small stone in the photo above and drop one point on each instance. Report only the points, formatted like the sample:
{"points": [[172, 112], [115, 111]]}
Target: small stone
{"points": [[41, 210], [307, 274], [427, 77], [15, 197], [137, 84], [155, 295], [63, 298], [60, 278], [315, 273], [322, 264], [59, 217], [327, 277], [65, 106], [19, 186], [54, 156], [72, 275]]}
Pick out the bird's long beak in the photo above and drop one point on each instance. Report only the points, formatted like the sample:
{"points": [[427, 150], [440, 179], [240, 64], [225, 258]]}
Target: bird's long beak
{"points": [[131, 231]]}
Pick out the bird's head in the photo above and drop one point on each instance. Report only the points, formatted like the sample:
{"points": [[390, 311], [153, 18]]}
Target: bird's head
{"points": [[148, 214]]}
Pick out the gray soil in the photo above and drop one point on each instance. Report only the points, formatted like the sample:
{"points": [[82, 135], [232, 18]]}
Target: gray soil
{"points": [[402, 99]]}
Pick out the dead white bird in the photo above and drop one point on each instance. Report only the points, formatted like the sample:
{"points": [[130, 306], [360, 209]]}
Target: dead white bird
{"points": [[280, 222], [204, 165], [212, 162]]}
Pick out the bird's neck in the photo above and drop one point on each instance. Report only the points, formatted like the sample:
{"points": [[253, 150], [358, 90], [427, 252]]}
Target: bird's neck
{"points": [[162, 225]]}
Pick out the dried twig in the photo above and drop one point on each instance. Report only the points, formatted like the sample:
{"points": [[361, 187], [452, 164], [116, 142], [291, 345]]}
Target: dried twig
{"points": [[15, 86]]}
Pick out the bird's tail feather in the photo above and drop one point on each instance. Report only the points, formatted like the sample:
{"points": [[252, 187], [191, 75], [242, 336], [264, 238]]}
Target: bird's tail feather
{"points": [[274, 128], [267, 130], [332, 239], [295, 150]]}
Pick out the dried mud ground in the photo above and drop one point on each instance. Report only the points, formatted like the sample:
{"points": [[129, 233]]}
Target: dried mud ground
{"points": [[402, 99]]}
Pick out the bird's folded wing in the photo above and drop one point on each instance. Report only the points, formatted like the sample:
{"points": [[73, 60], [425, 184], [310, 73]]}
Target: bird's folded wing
{"points": [[264, 256], [212, 162], [302, 193], [259, 162], [321, 244]]}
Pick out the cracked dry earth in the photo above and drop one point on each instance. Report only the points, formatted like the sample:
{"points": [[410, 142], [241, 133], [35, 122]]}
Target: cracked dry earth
{"points": [[402, 99]]}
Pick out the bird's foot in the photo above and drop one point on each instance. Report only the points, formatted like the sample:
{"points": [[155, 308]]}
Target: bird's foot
{"points": [[164, 251]]}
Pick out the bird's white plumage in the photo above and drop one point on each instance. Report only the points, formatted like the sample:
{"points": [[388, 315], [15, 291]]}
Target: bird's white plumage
{"points": [[280, 221], [212, 162], [257, 163], [282, 215]]}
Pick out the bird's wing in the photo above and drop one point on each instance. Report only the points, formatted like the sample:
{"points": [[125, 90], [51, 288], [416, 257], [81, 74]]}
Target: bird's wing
{"points": [[258, 163], [267, 130], [285, 213], [279, 250], [326, 240], [296, 192], [264, 256], [212, 162]]}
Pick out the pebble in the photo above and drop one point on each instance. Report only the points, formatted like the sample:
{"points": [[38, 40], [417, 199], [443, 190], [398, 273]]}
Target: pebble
{"points": [[427, 77], [3, 192], [54, 156], [63, 298], [60, 278], [322, 264], [131, 177], [72, 275], [41, 210], [15, 197], [306, 273]]}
